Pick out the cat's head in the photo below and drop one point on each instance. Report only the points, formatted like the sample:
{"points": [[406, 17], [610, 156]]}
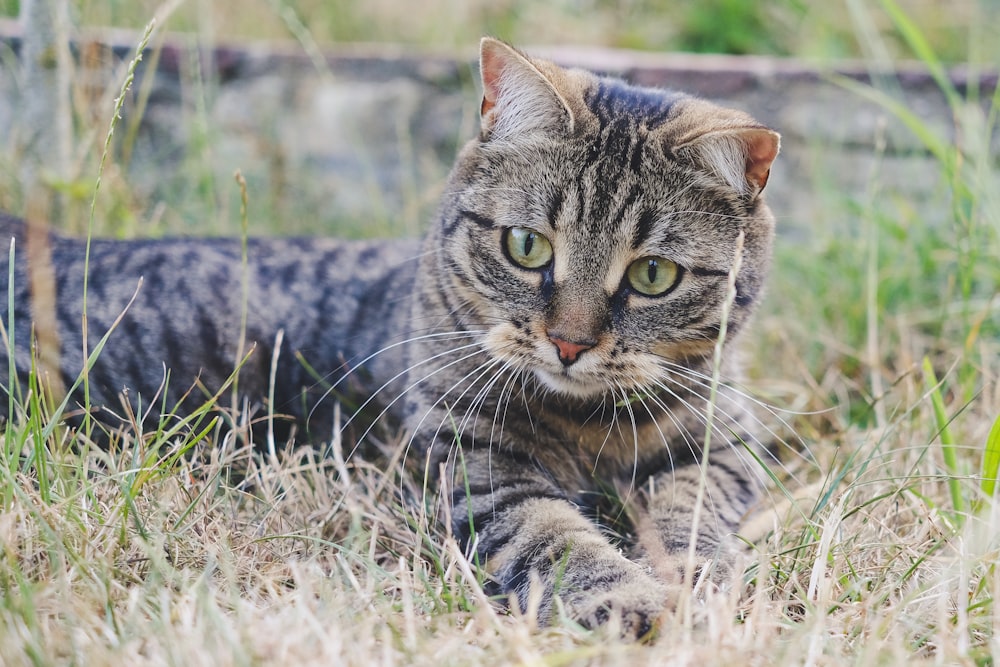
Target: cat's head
{"points": [[592, 228]]}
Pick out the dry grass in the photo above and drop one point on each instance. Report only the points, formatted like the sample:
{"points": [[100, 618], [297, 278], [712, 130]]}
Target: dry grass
{"points": [[224, 558], [137, 556]]}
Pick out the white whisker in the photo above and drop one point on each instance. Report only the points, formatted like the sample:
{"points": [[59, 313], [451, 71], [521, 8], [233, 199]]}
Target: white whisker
{"points": [[445, 335], [703, 381], [388, 406]]}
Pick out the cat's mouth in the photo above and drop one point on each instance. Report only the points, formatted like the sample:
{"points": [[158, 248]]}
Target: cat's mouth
{"points": [[571, 384]]}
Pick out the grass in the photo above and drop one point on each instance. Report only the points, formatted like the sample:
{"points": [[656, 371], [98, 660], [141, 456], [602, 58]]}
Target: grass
{"points": [[876, 545]]}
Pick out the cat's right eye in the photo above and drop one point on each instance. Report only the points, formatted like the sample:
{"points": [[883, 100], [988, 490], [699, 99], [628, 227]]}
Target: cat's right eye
{"points": [[527, 248]]}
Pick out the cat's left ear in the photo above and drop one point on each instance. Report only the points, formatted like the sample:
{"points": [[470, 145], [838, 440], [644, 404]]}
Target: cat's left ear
{"points": [[519, 95], [741, 157]]}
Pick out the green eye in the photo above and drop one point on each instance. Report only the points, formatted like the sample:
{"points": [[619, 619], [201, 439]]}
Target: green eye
{"points": [[652, 276], [527, 248]]}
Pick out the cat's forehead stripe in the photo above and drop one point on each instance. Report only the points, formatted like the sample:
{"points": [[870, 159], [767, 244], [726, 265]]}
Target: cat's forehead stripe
{"points": [[555, 207], [643, 228], [614, 100]]}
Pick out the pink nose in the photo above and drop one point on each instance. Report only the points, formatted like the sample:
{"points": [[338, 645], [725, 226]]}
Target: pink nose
{"points": [[568, 350]]}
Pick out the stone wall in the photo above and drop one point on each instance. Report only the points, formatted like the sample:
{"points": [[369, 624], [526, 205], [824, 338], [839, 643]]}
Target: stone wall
{"points": [[360, 139]]}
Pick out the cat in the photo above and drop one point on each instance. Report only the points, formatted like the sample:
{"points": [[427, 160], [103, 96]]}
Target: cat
{"points": [[552, 346]]}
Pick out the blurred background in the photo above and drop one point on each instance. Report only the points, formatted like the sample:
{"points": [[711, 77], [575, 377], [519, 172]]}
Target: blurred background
{"points": [[839, 29]]}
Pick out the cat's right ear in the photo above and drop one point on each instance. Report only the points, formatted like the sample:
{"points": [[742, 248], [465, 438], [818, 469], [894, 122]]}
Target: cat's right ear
{"points": [[518, 97]]}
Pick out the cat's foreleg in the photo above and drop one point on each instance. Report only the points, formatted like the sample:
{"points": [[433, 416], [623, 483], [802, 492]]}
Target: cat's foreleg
{"points": [[537, 546], [688, 518]]}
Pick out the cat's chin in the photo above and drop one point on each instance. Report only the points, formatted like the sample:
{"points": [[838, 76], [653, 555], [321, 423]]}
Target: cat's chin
{"points": [[566, 386]]}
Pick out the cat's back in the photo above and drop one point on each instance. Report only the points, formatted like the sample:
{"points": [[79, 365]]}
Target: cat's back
{"points": [[11, 227], [186, 303]]}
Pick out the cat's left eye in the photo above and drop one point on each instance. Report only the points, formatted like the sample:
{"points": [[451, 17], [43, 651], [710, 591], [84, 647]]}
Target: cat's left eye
{"points": [[652, 276], [527, 248]]}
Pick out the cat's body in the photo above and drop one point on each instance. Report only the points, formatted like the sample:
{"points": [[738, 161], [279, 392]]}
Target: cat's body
{"points": [[551, 344], [187, 310]]}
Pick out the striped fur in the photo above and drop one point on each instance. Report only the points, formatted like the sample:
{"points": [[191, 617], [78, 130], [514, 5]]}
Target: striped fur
{"points": [[566, 408]]}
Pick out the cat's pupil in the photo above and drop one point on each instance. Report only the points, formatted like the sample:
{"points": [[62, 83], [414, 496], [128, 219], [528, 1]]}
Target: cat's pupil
{"points": [[529, 241], [651, 272]]}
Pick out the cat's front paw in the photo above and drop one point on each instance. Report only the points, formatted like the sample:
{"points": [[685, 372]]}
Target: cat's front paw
{"points": [[611, 592], [634, 608]]}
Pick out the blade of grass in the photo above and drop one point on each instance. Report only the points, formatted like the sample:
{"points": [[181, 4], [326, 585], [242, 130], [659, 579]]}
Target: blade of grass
{"points": [[991, 461], [115, 117], [916, 40], [56, 417], [937, 146], [948, 449], [8, 335], [39, 457]]}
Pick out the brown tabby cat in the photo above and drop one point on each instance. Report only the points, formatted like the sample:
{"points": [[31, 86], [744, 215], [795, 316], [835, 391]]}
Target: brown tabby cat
{"points": [[550, 346]]}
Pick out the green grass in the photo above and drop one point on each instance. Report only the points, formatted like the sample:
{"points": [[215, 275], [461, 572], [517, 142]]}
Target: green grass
{"points": [[876, 545]]}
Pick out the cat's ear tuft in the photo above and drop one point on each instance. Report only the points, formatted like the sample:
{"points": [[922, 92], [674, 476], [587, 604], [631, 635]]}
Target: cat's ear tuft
{"points": [[741, 157], [518, 97]]}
